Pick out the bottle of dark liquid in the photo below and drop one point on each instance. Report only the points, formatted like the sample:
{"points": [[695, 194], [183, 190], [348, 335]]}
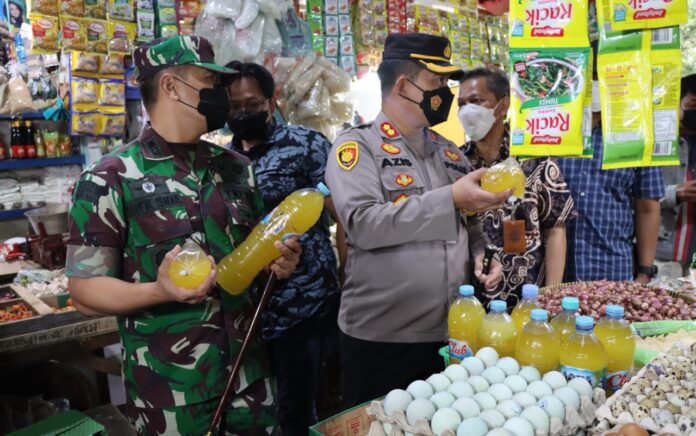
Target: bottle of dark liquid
{"points": [[18, 151], [29, 145]]}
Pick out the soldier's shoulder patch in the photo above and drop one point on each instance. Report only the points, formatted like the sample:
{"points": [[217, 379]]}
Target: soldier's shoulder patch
{"points": [[391, 149], [347, 155]]}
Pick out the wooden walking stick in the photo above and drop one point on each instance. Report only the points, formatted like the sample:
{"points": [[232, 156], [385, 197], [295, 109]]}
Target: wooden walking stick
{"points": [[253, 327]]}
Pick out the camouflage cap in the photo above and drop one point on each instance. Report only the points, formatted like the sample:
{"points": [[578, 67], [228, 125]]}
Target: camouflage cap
{"points": [[176, 50]]}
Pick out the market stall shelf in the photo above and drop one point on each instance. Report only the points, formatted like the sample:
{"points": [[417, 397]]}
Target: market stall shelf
{"points": [[22, 164]]}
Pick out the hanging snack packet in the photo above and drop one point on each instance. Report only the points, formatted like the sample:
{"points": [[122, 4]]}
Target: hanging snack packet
{"points": [[74, 34], [547, 99], [45, 30], [112, 92], [95, 9], [112, 64], [85, 123], [121, 10], [665, 56], [169, 30], [587, 149], [84, 90], [120, 34], [167, 16], [146, 25], [548, 23], [47, 7], [625, 84], [114, 124], [84, 62], [647, 14], [603, 11], [96, 36], [74, 8]]}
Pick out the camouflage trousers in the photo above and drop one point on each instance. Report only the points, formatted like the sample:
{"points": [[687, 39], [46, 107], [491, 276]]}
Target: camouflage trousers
{"points": [[250, 413]]}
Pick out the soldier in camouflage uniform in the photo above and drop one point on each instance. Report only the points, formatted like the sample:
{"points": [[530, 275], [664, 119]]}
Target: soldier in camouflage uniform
{"points": [[132, 210]]}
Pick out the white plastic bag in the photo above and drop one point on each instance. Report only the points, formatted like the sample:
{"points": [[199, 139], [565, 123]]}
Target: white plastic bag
{"points": [[250, 11], [230, 9], [249, 38]]}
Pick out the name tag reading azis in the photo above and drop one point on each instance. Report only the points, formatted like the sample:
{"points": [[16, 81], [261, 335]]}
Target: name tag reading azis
{"points": [[513, 236]]}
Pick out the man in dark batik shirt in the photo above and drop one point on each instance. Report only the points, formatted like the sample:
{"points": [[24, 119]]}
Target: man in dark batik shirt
{"points": [[484, 98], [300, 321]]}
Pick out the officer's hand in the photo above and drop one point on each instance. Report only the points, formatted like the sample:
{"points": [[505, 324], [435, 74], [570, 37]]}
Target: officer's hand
{"points": [[183, 295], [5, 35], [687, 191], [495, 274], [469, 196], [285, 265]]}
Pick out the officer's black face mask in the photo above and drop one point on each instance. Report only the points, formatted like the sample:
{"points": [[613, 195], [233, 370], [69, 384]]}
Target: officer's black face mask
{"points": [[213, 104], [435, 104], [249, 126]]}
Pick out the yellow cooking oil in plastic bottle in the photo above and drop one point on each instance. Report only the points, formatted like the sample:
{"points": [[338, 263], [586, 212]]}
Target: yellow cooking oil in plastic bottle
{"points": [[620, 344], [463, 321], [522, 312], [190, 267], [497, 330], [564, 322], [292, 217], [538, 344], [505, 175], [582, 355]]}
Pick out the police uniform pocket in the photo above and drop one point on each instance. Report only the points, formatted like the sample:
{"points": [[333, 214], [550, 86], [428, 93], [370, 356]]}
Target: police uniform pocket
{"points": [[401, 184]]}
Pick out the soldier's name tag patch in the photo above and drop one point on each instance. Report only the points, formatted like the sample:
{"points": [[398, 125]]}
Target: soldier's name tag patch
{"points": [[453, 156], [391, 149], [404, 180], [347, 155]]}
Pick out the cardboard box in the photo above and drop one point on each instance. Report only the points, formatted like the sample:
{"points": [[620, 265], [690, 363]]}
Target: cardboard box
{"points": [[352, 422]]}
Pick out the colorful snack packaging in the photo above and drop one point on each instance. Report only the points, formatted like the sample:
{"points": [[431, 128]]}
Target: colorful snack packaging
{"points": [[169, 30], [112, 92], [544, 23], [167, 16], [85, 123], [84, 62], [114, 124], [47, 7], [647, 14], [121, 10], [547, 99], [146, 25], [84, 90], [74, 34], [95, 9], [665, 56], [96, 35], [112, 64], [50, 139], [65, 145], [587, 149], [45, 33], [120, 34], [625, 83], [74, 8]]}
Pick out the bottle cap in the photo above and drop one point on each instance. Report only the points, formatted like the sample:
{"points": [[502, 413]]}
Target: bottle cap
{"points": [[570, 303], [530, 291], [498, 306], [540, 315], [466, 290], [321, 187], [615, 311], [584, 323]]}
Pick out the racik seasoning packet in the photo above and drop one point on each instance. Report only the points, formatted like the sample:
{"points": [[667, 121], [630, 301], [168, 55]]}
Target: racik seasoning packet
{"points": [[548, 23]]}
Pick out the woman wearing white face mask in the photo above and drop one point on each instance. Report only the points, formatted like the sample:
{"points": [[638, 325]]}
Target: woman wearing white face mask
{"points": [[484, 99]]}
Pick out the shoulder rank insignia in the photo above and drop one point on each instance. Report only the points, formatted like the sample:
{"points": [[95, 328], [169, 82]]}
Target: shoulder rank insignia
{"points": [[453, 156], [347, 155], [389, 130], [391, 149]]}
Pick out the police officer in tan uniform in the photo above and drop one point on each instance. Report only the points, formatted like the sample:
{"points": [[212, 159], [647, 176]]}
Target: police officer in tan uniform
{"points": [[401, 190]]}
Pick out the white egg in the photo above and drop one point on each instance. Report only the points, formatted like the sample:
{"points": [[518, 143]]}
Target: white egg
{"points": [[519, 426], [569, 396], [488, 355], [537, 417], [509, 365], [420, 408], [439, 382], [473, 365], [387, 428], [524, 399], [500, 432], [554, 379], [398, 399], [479, 383], [509, 408], [472, 427], [461, 389], [500, 392], [456, 373], [420, 389], [445, 419], [442, 399], [539, 389], [581, 386], [466, 407], [485, 400], [493, 375], [493, 418], [530, 374], [552, 406], [516, 383]]}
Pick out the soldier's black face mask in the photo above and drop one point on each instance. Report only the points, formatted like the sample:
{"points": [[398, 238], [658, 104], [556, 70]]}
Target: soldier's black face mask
{"points": [[213, 104], [435, 104], [249, 126]]}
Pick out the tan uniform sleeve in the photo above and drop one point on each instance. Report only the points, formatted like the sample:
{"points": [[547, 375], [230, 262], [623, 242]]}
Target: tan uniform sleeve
{"points": [[372, 221]]}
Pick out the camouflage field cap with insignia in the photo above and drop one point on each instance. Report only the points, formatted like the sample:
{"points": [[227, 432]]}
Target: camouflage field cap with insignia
{"points": [[164, 53], [431, 51]]}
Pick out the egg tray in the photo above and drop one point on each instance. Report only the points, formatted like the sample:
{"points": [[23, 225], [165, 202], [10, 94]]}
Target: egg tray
{"points": [[574, 422], [655, 421]]}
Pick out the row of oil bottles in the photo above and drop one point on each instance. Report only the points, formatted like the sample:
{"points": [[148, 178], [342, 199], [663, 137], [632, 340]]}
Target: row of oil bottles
{"points": [[601, 353]]}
